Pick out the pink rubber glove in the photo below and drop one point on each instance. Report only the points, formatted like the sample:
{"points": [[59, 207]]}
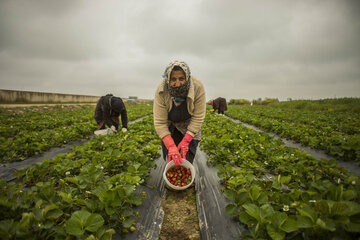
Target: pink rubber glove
{"points": [[173, 152], [184, 144]]}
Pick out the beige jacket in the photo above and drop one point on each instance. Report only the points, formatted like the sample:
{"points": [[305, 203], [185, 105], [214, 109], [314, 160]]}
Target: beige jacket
{"points": [[196, 105]]}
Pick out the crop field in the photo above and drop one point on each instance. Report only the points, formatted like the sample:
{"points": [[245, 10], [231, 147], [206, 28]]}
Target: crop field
{"points": [[337, 133], [92, 192], [280, 192], [32, 132]]}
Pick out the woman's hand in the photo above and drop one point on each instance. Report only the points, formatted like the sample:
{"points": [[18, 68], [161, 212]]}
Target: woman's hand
{"points": [[173, 151], [184, 145]]}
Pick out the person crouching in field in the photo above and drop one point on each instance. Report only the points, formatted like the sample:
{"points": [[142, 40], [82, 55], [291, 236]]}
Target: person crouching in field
{"points": [[219, 104], [107, 112], [179, 111]]}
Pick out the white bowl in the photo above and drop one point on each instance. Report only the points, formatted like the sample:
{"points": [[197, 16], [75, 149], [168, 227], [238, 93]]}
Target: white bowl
{"points": [[185, 163], [103, 132]]}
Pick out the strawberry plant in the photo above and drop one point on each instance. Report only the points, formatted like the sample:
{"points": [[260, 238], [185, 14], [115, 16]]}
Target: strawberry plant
{"points": [[279, 192], [88, 193], [31, 133], [337, 133]]}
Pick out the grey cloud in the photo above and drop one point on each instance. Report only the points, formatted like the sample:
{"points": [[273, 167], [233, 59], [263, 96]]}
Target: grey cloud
{"points": [[47, 29], [247, 49]]}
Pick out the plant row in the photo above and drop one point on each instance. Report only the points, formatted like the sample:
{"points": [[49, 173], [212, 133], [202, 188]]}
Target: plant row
{"points": [[344, 122], [88, 193], [25, 135], [279, 192], [336, 134]]}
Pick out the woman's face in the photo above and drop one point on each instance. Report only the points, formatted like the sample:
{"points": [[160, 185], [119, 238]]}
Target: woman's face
{"points": [[177, 78]]}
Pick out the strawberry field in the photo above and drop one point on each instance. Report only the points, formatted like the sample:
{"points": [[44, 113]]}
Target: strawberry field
{"points": [[93, 191], [337, 133], [280, 192], [30, 133], [87, 192]]}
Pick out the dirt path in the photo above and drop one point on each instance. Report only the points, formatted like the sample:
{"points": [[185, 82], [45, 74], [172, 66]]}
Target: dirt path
{"points": [[181, 220]]}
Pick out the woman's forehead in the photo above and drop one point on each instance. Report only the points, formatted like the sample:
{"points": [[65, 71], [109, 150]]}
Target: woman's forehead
{"points": [[177, 72]]}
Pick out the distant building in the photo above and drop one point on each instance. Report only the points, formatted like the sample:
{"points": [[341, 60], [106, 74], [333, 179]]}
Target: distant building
{"points": [[132, 99]]}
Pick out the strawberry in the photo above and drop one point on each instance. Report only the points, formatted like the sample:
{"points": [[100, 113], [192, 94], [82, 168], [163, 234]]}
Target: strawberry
{"points": [[179, 176]]}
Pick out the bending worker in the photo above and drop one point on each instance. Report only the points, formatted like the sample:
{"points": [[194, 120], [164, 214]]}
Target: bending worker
{"points": [[219, 104], [107, 112], [179, 111]]}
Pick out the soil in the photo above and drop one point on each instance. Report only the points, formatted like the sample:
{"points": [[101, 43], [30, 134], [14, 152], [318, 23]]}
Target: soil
{"points": [[181, 220]]}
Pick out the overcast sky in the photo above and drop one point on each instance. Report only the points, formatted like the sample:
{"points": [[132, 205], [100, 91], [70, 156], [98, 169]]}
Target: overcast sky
{"points": [[300, 49]]}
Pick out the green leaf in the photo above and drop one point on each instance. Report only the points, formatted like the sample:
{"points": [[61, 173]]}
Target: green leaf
{"points": [[94, 222], [289, 225], [109, 210], [136, 165], [340, 208], [354, 208], [257, 227], [265, 212], [91, 237], [341, 219], [83, 220], [131, 169], [52, 211], [66, 197], [92, 204], [8, 228], [132, 179], [231, 195], [76, 224], [322, 207], [250, 177], [254, 192], [304, 222], [120, 191], [263, 198], [308, 212], [276, 183], [252, 210], [73, 180], [127, 211], [247, 219], [26, 220], [285, 179], [336, 193], [48, 224], [349, 195], [352, 227], [60, 230], [326, 224], [241, 198], [107, 235], [278, 218], [109, 198], [129, 189], [231, 210], [135, 199], [128, 222], [275, 234]]}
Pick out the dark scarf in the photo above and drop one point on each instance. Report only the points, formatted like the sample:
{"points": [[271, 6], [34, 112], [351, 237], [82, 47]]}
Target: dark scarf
{"points": [[179, 93]]}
